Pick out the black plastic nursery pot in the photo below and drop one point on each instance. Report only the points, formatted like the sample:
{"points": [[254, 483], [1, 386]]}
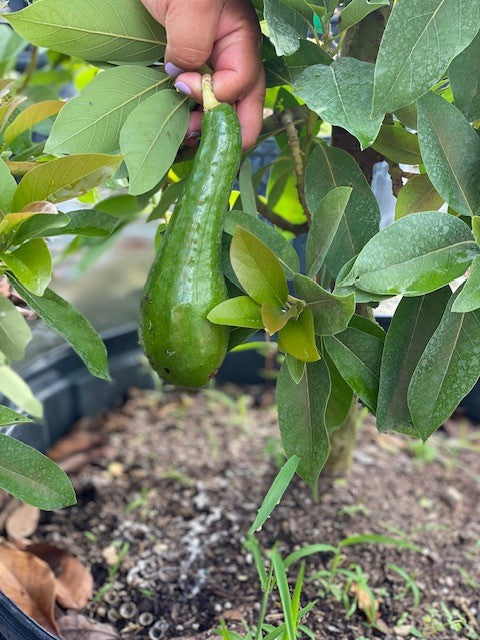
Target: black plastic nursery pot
{"points": [[68, 392]]}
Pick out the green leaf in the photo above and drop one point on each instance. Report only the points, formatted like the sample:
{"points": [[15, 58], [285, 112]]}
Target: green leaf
{"points": [[357, 355], [284, 71], [447, 371], [93, 30], [31, 264], [357, 10], [301, 415], [257, 268], [10, 417], [282, 248], [71, 325], [169, 196], [417, 195], [91, 122], [413, 324], [17, 391], [275, 493], [152, 136], [29, 225], [417, 46], [464, 73], [284, 591], [415, 255], [87, 222], [285, 26], [476, 228], [325, 221], [275, 318], [297, 337], [469, 297], [341, 94], [328, 168], [361, 297], [65, 178], [15, 333], [398, 145], [331, 313], [31, 116], [295, 366], [32, 477], [238, 312], [7, 187], [341, 397], [451, 153], [11, 44], [247, 192]]}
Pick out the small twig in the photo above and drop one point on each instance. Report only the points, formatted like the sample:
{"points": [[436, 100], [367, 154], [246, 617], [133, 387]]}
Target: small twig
{"points": [[270, 215], [298, 165], [32, 67], [397, 177]]}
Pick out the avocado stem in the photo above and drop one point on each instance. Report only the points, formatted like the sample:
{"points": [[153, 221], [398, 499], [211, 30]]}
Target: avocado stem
{"points": [[209, 100]]}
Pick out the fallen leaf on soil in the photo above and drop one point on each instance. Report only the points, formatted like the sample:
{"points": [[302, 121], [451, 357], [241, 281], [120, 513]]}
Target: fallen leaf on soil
{"points": [[23, 522], [75, 442], [73, 581], [7, 508], [30, 583], [77, 627]]}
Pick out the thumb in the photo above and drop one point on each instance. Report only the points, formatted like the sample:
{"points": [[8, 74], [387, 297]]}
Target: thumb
{"points": [[191, 27]]}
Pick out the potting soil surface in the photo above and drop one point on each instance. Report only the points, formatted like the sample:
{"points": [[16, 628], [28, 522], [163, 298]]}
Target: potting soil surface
{"points": [[164, 506]]}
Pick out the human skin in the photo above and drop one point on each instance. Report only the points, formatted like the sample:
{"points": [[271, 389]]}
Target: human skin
{"points": [[224, 34]]}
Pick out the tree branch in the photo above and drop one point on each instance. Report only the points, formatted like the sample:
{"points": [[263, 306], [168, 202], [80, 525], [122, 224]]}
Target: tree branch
{"points": [[270, 215], [298, 164]]}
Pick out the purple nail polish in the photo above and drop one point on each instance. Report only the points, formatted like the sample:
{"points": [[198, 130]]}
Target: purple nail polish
{"points": [[172, 70], [183, 87], [192, 134]]}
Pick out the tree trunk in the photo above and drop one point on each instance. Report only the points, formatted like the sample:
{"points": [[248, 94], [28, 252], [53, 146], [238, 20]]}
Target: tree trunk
{"points": [[342, 444]]}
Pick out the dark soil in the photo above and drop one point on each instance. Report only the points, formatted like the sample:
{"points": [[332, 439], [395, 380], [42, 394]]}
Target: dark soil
{"points": [[180, 483]]}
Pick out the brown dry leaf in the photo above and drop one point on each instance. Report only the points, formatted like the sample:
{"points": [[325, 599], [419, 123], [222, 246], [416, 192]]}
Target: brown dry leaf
{"points": [[77, 627], [75, 442], [30, 583], [7, 508], [23, 522], [40, 206], [73, 581]]}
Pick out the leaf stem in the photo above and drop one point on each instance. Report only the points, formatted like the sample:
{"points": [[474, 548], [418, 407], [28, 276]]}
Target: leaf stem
{"points": [[209, 99], [32, 67]]}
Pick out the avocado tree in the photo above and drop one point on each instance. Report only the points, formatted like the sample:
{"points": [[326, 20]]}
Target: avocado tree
{"points": [[383, 82]]}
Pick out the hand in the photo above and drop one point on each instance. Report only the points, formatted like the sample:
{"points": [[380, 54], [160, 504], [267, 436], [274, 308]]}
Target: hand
{"points": [[226, 34]]}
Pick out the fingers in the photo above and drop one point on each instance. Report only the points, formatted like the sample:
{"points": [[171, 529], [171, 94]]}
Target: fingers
{"points": [[191, 27], [250, 113]]}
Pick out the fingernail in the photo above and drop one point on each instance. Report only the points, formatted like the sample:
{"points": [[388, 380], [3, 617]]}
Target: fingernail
{"points": [[193, 134], [183, 87], [172, 69]]}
